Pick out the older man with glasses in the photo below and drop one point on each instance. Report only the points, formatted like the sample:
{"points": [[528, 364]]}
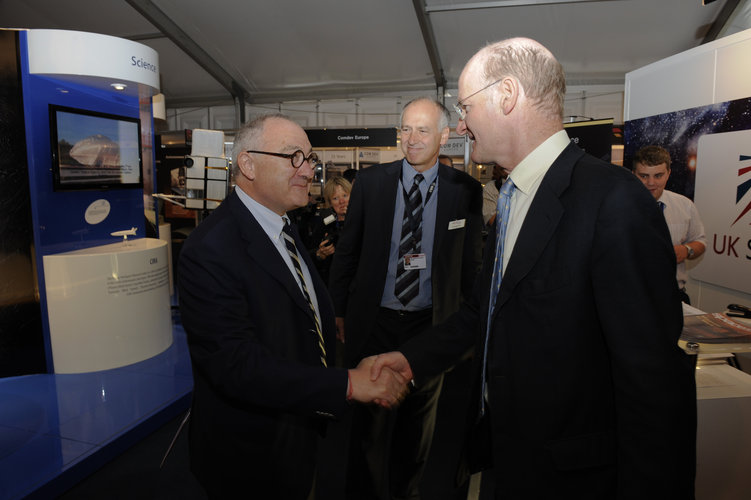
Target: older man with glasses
{"points": [[260, 329], [581, 390]]}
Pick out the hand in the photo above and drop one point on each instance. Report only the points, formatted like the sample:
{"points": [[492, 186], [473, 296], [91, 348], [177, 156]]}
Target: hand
{"points": [[387, 390], [325, 250], [394, 360], [340, 328], [681, 253]]}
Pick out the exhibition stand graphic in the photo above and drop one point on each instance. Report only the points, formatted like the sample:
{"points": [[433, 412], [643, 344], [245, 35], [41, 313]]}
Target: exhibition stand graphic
{"points": [[78, 175], [85, 138]]}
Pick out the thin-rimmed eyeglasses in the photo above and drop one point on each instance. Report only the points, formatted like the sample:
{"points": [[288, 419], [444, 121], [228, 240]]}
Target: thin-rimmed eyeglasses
{"points": [[461, 109]]}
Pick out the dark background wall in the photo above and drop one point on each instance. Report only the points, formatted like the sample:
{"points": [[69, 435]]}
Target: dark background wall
{"points": [[21, 339]]}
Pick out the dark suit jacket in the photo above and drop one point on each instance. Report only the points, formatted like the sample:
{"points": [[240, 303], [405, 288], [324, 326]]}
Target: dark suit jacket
{"points": [[260, 394], [589, 394], [358, 274]]}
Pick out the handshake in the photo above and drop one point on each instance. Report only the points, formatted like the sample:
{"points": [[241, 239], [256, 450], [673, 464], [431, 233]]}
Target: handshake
{"points": [[383, 380]]}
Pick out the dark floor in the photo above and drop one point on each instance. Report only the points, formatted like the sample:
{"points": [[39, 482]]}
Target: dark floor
{"points": [[56, 429], [136, 474]]}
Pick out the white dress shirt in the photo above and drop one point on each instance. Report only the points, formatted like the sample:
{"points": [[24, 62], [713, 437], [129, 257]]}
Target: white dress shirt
{"points": [[527, 176], [272, 224], [684, 224]]}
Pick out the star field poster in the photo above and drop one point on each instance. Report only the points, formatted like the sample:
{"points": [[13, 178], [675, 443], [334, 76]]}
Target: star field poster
{"points": [[679, 133], [710, 149]]}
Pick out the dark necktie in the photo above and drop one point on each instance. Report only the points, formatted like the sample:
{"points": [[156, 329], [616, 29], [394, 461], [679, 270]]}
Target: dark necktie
{"points": [[661, 204], [292, 250], [408, 280], [501, 223]]}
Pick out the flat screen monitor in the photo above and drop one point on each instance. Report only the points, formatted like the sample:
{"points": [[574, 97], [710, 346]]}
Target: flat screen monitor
{"points": [[94, 150]]}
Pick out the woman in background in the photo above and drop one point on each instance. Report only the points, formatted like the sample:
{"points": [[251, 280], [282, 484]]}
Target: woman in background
{"points": [[327, 226]]}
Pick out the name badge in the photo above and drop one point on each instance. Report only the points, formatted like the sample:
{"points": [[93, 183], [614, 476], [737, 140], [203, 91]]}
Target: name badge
{"points": [[328, 220], [456, 224], [415, 261]]}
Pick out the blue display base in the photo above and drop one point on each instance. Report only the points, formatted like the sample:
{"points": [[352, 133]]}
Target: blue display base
{"points": [[57, 429]]}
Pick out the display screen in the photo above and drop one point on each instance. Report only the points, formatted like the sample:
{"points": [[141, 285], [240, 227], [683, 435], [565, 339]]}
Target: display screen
{"points": [[93, 150]]}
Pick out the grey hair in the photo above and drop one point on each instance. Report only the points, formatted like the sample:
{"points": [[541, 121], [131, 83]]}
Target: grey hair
{"points": [[249, 136], [443, 118], [537, 70]]}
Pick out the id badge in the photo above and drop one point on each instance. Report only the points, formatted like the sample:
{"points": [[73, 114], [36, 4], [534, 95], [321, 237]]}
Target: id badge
{"points": [[415, 261]]}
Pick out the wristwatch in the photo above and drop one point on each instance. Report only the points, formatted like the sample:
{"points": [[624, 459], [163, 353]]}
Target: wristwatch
{"points": [[690, 251]]}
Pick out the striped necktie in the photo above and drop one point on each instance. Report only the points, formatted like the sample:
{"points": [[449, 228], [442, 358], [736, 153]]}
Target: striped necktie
{"points": [[501, 223], [289, 240], [407, 280]]}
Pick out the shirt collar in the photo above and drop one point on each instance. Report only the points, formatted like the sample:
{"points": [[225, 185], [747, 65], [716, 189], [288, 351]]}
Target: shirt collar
{"points": [[271, 222], [409, 173], [531, 169]]}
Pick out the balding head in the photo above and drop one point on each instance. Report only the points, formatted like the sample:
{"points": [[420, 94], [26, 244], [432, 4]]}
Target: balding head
{"points": [[263, 152], [511, 97], [534, 66]]}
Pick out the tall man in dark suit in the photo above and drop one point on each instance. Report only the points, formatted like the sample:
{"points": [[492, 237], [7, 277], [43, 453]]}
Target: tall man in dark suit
{"points": [[407, 256], [582, 388], [260, 329]]}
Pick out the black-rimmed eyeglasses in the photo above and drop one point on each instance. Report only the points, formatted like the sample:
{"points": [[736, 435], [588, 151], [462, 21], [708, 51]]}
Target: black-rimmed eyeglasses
{"points": [[461, 109], [297, 158]]}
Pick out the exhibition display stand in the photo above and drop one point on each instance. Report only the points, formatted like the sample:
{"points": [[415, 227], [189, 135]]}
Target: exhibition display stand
{"points": [[108, 305]]}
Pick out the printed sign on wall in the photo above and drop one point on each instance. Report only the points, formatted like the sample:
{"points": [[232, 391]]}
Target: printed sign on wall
{"points": [[594, 136], [723, 197]]}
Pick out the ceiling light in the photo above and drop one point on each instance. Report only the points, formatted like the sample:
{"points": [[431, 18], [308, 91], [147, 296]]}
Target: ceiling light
{"points": [[118, 86]]}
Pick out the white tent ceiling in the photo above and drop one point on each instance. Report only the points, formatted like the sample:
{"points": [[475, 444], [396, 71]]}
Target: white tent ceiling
{"points": [[283, 50]]}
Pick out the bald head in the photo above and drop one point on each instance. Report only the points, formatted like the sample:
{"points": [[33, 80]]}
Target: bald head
{"points": [[511, 93], [534, 66]]}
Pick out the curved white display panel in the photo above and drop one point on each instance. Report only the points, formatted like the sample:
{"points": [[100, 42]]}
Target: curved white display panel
{"points": [[93, 59], [109, 305]]}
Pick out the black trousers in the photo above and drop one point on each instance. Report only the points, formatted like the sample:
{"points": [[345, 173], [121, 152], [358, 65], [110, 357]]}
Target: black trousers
{"points": [[389, 448]]}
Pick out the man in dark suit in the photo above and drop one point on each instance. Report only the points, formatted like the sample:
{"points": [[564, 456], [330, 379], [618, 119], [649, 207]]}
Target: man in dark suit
{"points": [[581, 387], [260, 329], [396, 271]]}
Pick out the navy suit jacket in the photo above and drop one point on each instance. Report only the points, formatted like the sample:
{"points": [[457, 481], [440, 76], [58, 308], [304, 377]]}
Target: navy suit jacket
{"points": [[589, 394], [261, 396], [358, 273]]}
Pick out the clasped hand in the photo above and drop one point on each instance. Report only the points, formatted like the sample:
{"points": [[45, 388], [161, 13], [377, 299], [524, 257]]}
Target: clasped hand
{"points": [[387, 389]]}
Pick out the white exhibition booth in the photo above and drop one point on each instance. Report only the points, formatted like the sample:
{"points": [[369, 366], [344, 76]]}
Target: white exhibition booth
{"points": [[108, 305], [713, 74]]}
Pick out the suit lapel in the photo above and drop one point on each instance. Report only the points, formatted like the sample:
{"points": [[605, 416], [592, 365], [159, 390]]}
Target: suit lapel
{"points": [[322, 294], [262, 250], [388, 193], [448, 197], [540, 223]]}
